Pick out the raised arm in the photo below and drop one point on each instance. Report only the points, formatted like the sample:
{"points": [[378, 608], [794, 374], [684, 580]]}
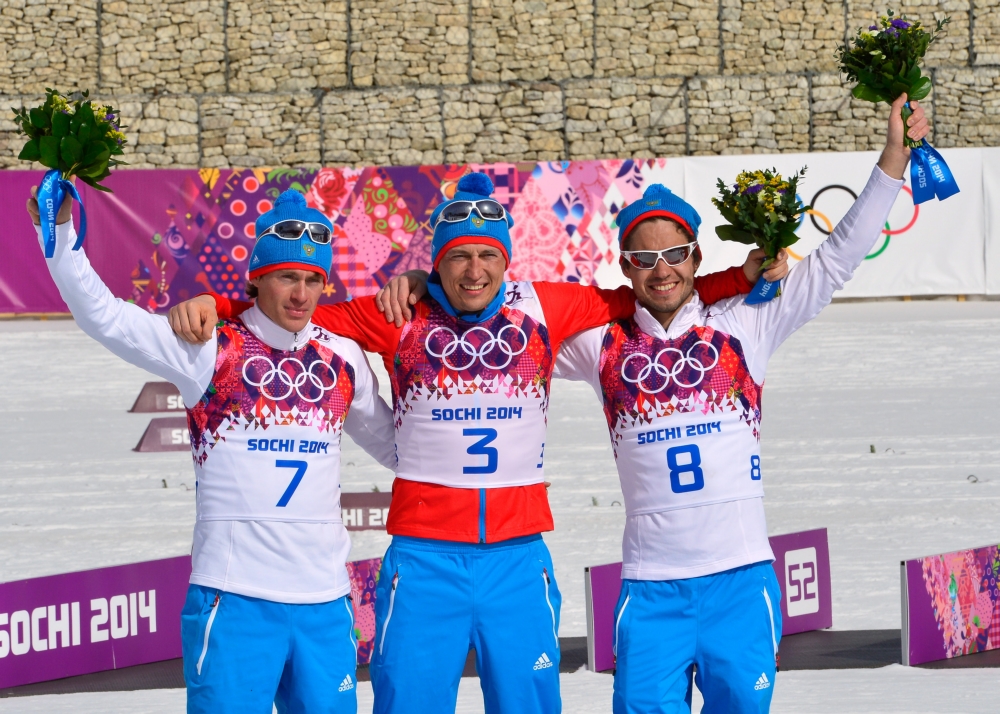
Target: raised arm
{"points": [[138, 337], [811, 284]]}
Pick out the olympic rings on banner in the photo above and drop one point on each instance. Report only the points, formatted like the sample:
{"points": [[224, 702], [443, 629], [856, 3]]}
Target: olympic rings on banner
{"points": [[888, 231], [684, 361], [471, 352], [292, 384]]}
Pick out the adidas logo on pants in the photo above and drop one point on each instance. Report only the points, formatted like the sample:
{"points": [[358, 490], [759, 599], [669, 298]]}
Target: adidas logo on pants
{"points": [[347, 684], [543, 662], [762, 683]]}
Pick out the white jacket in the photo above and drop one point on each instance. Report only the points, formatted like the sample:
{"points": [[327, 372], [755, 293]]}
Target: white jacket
{"points": [[716, 523], [289, 559]]}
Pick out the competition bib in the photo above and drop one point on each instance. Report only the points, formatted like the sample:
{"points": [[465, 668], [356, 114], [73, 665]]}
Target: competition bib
{"points": [[471, 400], [684, 417], [266, 434]]}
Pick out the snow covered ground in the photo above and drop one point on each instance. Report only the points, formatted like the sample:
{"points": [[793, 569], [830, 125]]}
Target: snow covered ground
{"points": [[919, 381]]}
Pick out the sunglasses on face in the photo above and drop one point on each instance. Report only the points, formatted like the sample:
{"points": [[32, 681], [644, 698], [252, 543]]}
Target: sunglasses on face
{"points": [[647, 259], [487, 209], [293, 230]]}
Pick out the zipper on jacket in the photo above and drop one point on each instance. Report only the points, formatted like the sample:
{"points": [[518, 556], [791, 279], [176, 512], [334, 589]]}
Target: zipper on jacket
{"points": [[208, 632], [618, 622], [482, 515], [388, 615], [548, 601]]}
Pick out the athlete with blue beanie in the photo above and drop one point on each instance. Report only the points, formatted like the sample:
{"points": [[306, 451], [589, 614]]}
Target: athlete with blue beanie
{"points": [[681, 383], [268, 619], [467, 567]]}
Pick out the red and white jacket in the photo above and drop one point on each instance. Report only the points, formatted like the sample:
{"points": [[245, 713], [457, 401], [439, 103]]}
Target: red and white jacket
{"points": [[470, 401]]}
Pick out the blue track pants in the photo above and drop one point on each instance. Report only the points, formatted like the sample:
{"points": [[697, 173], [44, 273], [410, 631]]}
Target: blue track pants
{"points": [[436, 600], [242, 654], [727, 625]]}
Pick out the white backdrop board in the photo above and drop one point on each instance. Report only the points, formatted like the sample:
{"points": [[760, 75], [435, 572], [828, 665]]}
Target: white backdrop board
{"points": [[938, 248], [991, 211]]}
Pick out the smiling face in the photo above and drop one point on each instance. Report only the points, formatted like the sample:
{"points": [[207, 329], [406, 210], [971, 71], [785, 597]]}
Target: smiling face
{"points": [[471, 275], [665, 288], [289, 297]]}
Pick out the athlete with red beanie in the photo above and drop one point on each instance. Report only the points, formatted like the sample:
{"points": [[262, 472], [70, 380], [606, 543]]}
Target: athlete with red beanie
{"points": [[467, 567]]}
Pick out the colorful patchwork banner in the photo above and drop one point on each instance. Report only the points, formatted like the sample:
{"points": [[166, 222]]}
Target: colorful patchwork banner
{"points": [[951, 604], [165, 235]]}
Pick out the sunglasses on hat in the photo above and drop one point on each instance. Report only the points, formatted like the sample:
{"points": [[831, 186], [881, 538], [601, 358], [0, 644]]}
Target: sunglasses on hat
{"points": [[291, 229], [647, 259], [487, 209]]}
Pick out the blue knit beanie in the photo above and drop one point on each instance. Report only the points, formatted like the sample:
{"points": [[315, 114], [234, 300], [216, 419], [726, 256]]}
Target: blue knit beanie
{"points": [[471, 187], [657, 201], [271, 253]]}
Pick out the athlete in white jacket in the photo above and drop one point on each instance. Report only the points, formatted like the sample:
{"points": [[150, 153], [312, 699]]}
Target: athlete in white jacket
{"points": [[268, 616], [680, 383]]}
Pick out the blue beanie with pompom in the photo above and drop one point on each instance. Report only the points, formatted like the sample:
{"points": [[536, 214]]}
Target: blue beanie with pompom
{"points": [[271, 253], [471, 187]]}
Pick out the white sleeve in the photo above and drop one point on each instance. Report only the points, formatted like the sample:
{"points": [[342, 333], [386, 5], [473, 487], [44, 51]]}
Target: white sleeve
{"points": [[369, 421], [137, 336], [579, 358], [810, 285]]}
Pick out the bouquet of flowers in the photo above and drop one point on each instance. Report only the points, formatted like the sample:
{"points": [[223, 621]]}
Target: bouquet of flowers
{"points": [[763, 209], [71, 137], [884, 60]]}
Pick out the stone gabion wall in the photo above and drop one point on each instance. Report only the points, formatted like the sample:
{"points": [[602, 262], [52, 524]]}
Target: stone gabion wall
{"points": [[221, 83]]}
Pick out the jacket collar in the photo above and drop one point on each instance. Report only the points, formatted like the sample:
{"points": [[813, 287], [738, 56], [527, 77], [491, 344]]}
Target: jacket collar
{"points": [[271, 334], [683, 321]]}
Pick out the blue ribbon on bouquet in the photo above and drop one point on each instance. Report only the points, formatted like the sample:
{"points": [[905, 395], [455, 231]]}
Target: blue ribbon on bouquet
{"points": [[930, 175], [763, 291], [51, 193]]}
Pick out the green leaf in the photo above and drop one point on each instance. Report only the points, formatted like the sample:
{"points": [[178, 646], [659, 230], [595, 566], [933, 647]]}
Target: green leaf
{"points": [[734, 234], [913, 75], [40, 119], [86, 113], [94, 184], [787, 238], [49, 151], [30, 152], [60, 124], [729, 214], [921, 89], [93, 149], [84, 131], [70, 150], [95, 169], [867, 94]]}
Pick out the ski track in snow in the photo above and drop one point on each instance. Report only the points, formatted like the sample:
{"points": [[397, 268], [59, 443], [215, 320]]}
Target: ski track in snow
{"points": [[915, 379]]}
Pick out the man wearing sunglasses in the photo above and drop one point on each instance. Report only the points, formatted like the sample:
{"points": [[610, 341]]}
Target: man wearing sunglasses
{"points": [[467, 567], [268, 618], [681, 384]]}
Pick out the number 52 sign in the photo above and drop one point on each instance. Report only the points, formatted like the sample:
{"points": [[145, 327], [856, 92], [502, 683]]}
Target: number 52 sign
{"points": [[802, 564]]}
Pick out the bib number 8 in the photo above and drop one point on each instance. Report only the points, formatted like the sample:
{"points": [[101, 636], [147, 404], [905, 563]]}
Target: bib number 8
{"points": [[755, 468], [685, 476]]}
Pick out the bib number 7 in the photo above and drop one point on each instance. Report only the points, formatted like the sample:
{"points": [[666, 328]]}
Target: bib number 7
{"points": [[685, 469], [300, 471]]}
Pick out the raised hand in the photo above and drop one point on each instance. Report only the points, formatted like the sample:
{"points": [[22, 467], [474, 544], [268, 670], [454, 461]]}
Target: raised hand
{"points": [[896, 155]]}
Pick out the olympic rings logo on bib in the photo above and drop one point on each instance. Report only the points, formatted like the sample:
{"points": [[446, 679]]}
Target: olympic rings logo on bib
{"points": [[277, 379], [460, 353], [683, 362]]}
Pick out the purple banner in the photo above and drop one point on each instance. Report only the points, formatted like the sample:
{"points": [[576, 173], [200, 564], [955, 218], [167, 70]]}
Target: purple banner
{"points": [[802, 564], [94, 620], [951, 605], [64, 625]]}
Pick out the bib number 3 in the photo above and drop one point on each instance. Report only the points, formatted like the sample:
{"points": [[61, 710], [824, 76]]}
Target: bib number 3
{"points": [[481, 448], [685, 469]]}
